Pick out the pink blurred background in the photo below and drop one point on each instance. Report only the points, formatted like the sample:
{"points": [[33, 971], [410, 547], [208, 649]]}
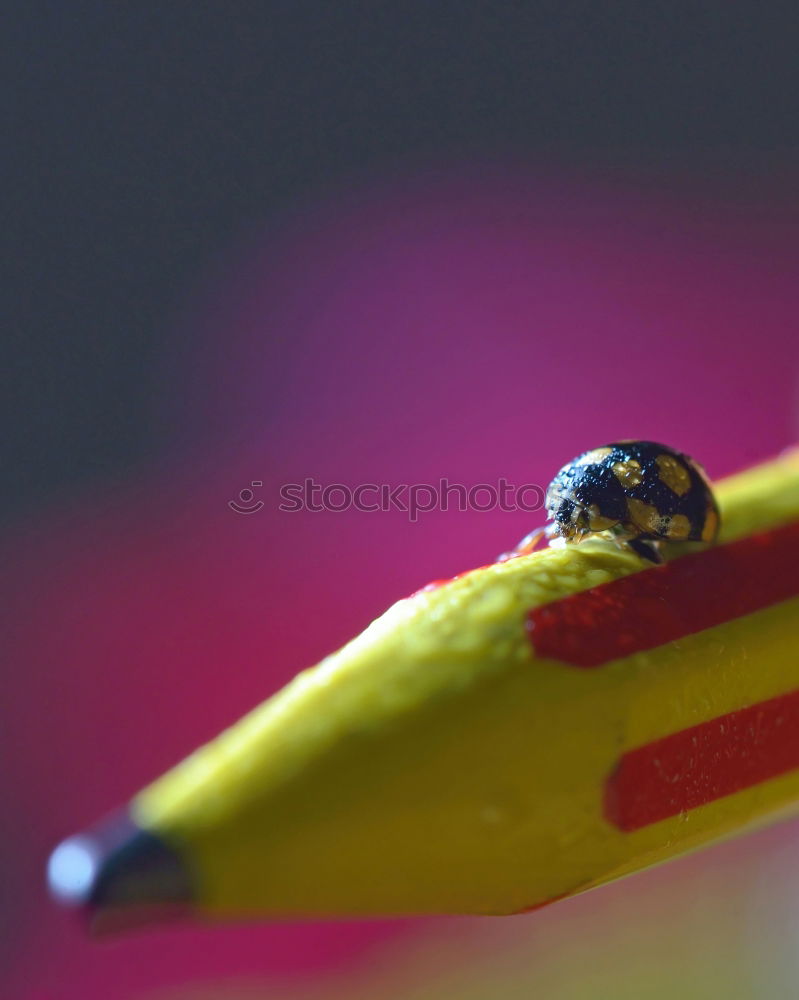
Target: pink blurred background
{"points": [[467, 322]]}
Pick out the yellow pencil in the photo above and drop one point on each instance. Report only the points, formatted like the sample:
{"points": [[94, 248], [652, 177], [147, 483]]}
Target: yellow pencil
{"points": [[493, 743]]}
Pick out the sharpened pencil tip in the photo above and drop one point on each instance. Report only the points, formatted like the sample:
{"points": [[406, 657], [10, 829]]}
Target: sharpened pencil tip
{"points": [[119, 868]]}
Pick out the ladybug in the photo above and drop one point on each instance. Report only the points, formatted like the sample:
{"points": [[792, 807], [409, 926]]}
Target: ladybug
{"points": [[639, 493]]}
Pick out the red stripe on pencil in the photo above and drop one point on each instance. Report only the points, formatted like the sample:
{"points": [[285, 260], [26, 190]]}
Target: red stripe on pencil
{"points": [[704, 763], [648, 609]]}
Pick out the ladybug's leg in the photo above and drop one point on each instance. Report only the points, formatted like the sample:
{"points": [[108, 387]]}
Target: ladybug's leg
{"points": [[646, 549], [528, 543], [626, 536]]}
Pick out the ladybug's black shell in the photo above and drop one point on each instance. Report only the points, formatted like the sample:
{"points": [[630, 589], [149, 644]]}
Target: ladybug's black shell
{"points": [[637, 488]]}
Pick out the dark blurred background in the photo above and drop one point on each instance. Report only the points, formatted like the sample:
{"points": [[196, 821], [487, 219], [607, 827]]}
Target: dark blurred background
{"points": [[142, 139], [364, 243]]}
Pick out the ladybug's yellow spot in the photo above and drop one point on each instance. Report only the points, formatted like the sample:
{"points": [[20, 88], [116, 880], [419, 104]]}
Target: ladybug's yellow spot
{"points": [[674, 474], [644, 516], [628, 473], [595, 457], [596, 521], [711, 525], [678, 527]]}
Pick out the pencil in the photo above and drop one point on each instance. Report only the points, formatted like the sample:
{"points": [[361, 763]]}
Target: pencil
{"points": [[493, 743]]}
